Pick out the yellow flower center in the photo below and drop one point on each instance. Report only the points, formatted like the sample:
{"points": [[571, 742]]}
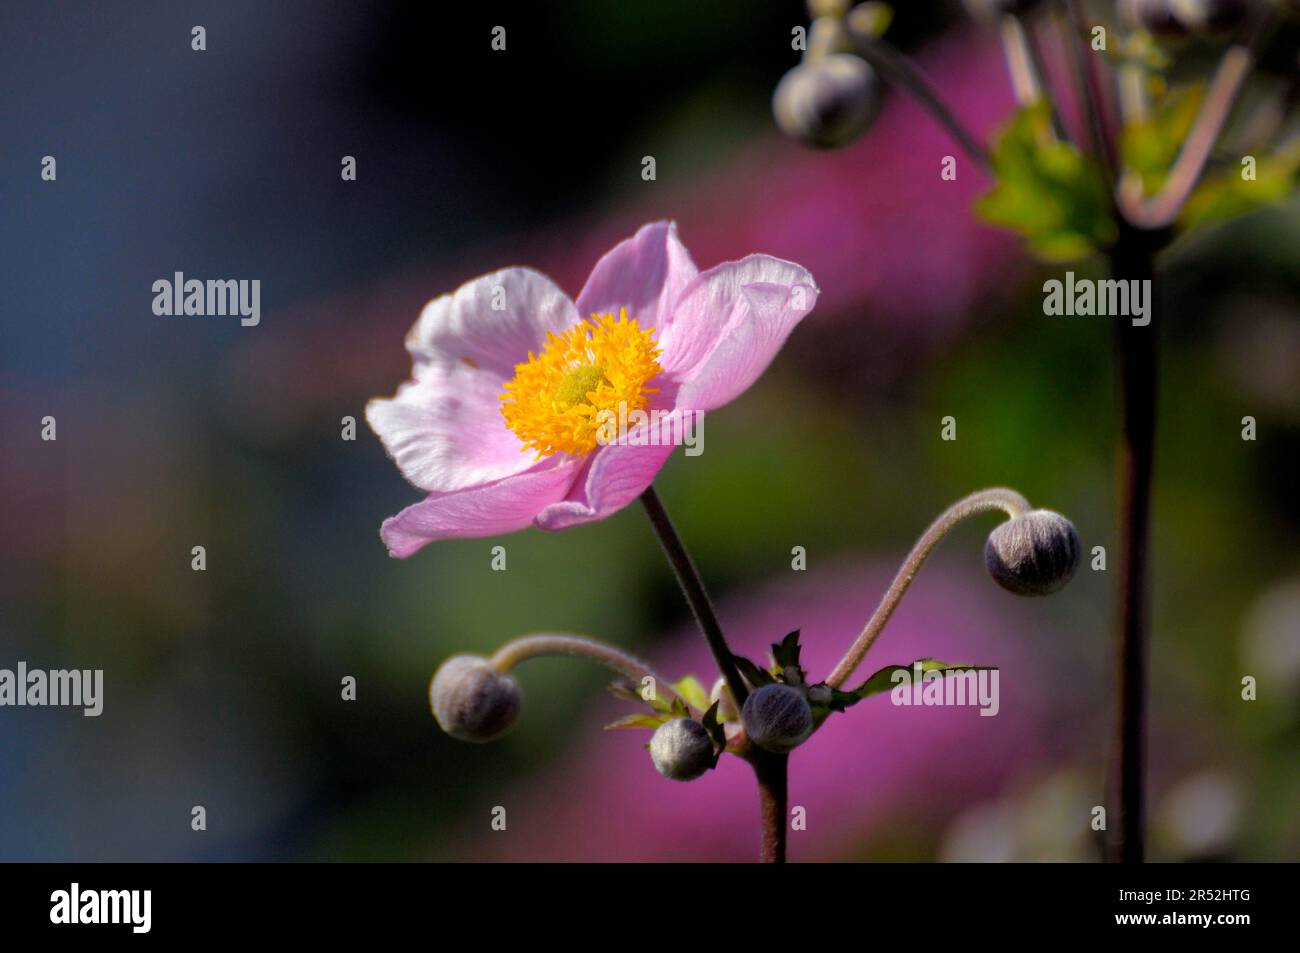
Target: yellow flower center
{"points": [[558, 400]]}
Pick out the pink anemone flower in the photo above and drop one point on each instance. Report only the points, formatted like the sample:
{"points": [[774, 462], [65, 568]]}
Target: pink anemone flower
{"points": [[520, 411]]}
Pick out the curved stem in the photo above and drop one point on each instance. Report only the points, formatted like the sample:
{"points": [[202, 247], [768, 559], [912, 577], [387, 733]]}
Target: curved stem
{"points": [[696, 596], [1162, 210], [575, 646], [1025, 68], [898, 68], [983, 501]]}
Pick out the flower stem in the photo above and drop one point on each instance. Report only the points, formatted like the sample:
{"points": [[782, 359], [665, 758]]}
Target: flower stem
{"points": [[1162, 210], [899, 68], [576, 646], [1089, 93], [696, 595], [772, 772], [1025, 69], [1132, 259], [983, 501]]}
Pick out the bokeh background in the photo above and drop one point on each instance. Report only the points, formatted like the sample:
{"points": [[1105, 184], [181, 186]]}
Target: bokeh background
{"points": [[223, 687]]}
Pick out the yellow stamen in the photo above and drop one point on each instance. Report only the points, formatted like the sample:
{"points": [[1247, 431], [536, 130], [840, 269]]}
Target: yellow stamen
{"points": [[558, 400]]}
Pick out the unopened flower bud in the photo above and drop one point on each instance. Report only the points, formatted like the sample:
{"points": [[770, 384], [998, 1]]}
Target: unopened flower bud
{"points": [[827, 102], [992, 9], [777, 718], [820, 694], [681, 749], [471, 700], [1034, 554]]}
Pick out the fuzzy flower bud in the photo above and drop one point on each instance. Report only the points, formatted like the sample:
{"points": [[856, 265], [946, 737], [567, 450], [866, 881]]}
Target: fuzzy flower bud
{"points": [[681, 749], [471, 700], [777, 718], [1034, 554], [827, 102]]}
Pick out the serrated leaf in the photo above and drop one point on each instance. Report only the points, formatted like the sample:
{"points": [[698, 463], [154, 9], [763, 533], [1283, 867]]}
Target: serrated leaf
{"points": [[693, 692], [717, 734], [638, 720], [1224, 194], [1047, 190], [786, 653], [842, 700], [883, 680], [755, 676]]}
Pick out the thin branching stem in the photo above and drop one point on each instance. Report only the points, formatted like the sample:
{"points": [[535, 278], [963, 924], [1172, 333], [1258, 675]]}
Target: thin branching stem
{"points": [[983, 501], [697, 597], [552, 644], [898, 68]]}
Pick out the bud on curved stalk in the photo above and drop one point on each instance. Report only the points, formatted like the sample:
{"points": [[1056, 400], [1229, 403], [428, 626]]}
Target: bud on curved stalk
{"points": [[777, 718], [681, 749], [1034, 554], [472, 700], [476, 699], [827, 102]]}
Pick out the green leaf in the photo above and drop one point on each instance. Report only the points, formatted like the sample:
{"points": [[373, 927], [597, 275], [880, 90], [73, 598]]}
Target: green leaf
{"points": [[629, 691], [639, 720], [692, 692], [1224, 194], [883, 680], [1047, 190]]}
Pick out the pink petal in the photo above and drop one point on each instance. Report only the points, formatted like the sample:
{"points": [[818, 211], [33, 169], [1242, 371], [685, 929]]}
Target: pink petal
{"points": [[445, 431], [492, 322], [502, 507], [730, 324], [644, 274], [616, 476]]}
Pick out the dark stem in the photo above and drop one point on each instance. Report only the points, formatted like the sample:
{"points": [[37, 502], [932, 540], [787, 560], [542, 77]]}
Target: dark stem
{"points": [[1132, 259], [1091, 98], [696, 596], [899, 68], [772, 773]]}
